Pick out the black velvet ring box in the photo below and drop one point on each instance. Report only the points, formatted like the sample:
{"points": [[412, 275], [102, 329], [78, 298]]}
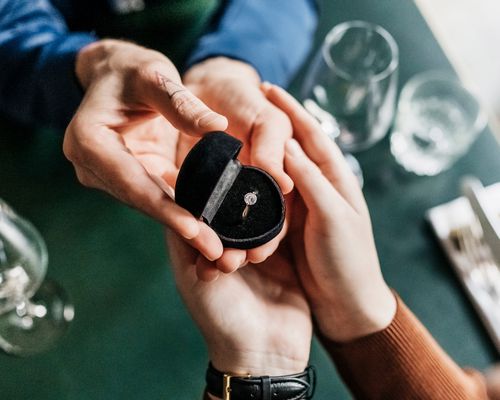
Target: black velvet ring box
{"points": [[242, 204]]}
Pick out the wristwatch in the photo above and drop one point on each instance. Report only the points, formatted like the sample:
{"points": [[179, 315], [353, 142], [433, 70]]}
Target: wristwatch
{"points": [[236, 387]]}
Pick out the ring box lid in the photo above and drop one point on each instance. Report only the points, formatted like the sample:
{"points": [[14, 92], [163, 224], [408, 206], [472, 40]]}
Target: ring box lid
{"points": [[210, 162]]}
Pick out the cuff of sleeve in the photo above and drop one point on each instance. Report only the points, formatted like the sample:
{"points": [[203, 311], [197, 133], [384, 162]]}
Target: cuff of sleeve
{"points": [[62, 92], [400, 362]]}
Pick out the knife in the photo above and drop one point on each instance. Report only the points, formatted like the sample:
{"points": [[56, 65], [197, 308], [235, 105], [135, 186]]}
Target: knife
{"points": [[472, 189]]}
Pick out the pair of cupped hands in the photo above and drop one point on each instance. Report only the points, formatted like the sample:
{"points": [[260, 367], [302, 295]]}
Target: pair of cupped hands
{"points": [[137, 122]]}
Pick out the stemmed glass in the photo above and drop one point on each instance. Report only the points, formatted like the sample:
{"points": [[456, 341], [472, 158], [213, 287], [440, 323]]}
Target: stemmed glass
{"points": [[351, 85], [33, 313]]}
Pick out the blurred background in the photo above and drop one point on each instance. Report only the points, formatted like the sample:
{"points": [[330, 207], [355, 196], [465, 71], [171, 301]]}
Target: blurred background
{"points": [[468, 32], [131, 337]]}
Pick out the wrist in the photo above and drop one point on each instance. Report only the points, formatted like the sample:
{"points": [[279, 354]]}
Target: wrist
{"points": [[350, 316], [91, 60], [256, 363], [223, 68]]}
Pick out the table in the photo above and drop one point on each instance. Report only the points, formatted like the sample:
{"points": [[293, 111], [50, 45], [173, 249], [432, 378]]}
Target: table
{"points": [[132, 338]]}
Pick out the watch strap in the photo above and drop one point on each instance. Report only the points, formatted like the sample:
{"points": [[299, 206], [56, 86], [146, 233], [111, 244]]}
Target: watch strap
{"points": [[287, 387]]}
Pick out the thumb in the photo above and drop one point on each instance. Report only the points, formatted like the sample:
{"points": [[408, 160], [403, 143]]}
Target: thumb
{"points": [[180, 106]]}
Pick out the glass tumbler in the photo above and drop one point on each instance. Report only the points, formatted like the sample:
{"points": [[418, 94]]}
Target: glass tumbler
{"points": [[351, 84], [436, 123]]}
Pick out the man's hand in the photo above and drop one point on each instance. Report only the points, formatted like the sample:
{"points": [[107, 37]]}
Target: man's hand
{"points": [[123, 138], [331, 234], [255, 321], [231, 88]]}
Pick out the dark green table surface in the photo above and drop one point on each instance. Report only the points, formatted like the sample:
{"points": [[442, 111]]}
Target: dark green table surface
{"points": [[131, 337]]}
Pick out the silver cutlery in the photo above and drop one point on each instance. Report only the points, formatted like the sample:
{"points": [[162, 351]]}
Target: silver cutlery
{"points": [[486, 212], [479, 265]]}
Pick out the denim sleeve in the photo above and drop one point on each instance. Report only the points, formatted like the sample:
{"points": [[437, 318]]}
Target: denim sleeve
{"points": [[273, 36], [37, 79]]}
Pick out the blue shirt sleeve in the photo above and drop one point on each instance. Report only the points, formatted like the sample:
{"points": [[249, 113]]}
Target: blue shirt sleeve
{"points": [[273, 36], [37, 79]]}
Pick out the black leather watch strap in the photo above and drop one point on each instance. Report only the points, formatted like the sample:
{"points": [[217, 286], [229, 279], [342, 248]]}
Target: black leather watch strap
{"points": [[287, 387]]}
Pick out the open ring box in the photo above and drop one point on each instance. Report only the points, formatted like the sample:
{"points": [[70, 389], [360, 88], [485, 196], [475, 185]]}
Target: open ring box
{"points": [[242, 204]]}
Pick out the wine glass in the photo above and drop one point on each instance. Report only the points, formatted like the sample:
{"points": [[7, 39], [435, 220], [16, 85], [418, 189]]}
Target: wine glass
{"points": [[33, 313], [351, 84]]}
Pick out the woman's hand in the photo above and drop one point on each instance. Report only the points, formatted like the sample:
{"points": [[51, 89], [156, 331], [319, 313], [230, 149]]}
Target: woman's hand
{"points": [[255, 321], [123, 138], [232, 88], [331, 233]]}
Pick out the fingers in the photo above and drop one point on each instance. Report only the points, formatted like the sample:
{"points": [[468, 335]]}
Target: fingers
{"points": [[271, 130], [231, 260], [319, 148], [102, 161], [187, 264], [206, 270], [183, 257], [207, 242], [262, 253], [178, 105], [318, 193]]}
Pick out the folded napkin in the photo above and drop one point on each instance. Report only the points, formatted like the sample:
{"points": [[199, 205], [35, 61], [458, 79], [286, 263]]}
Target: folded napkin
{"points": [[446, 220]]}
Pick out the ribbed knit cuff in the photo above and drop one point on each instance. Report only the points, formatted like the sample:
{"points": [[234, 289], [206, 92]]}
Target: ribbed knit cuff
{"points": [[402, 362]]}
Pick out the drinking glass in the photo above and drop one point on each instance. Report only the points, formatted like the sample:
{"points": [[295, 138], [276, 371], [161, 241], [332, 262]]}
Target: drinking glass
{"points": [[436, 123], [33, 313], [351, 84]]}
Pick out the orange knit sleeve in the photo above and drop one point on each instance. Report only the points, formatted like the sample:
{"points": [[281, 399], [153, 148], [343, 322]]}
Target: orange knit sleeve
{"points": [[403, 362]]}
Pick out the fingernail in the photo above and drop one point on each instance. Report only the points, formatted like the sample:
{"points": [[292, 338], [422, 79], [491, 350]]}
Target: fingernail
{"points": [[243, 261], [211, 255], [293, 147], [265, 86], [209, 119], [288, 187], [190, 230]]}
